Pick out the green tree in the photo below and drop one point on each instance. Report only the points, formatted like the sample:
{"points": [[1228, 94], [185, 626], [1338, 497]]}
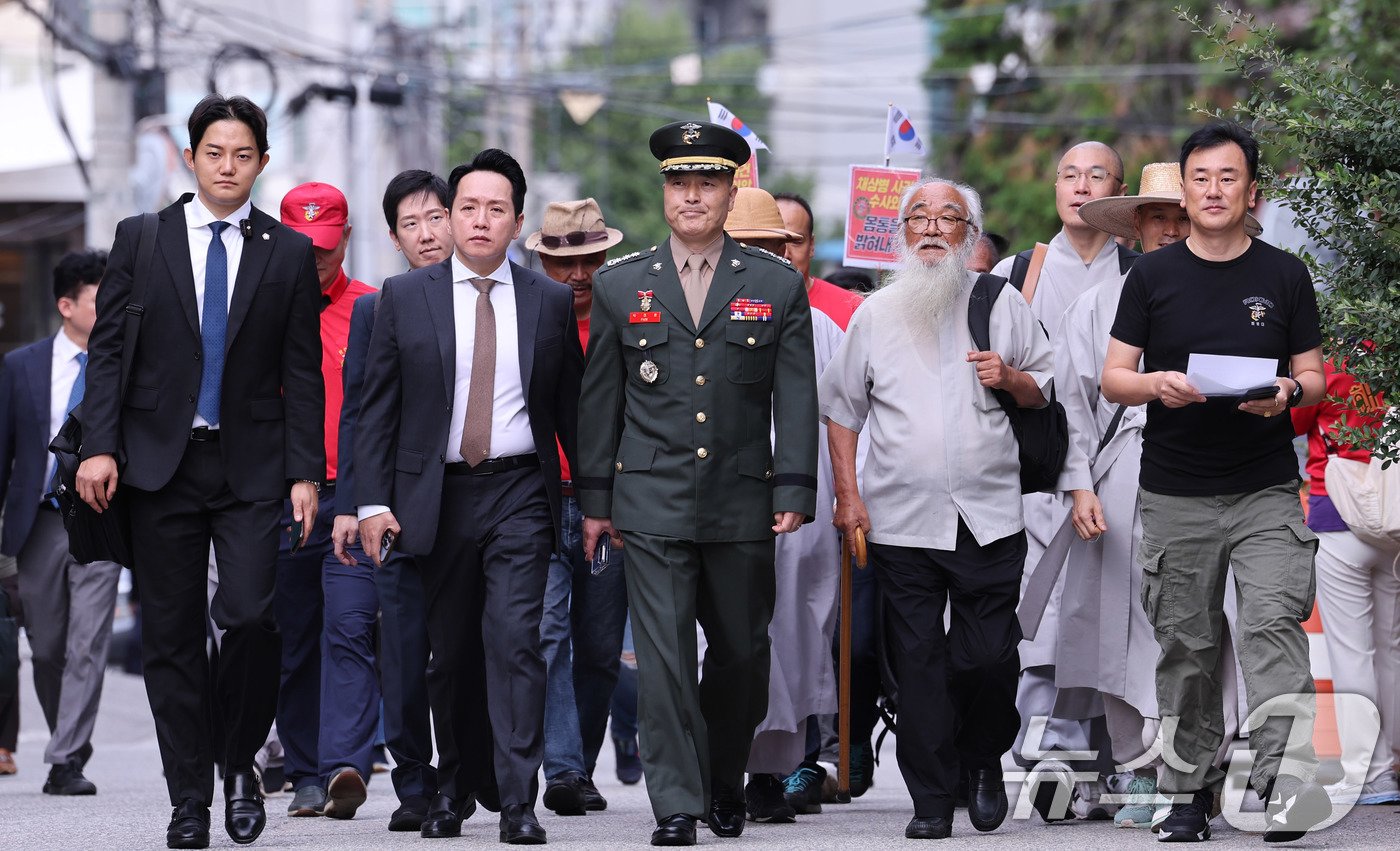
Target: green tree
{"points": [[1056, 72], [1340, 125]]}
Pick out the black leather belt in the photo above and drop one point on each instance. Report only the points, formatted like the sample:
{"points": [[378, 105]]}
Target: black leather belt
{"points": [[493, 465], [204, 434]]}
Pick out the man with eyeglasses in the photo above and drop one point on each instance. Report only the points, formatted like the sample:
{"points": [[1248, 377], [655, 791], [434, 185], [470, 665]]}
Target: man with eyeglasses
{"points": [[943, 526], [1051, 276]]}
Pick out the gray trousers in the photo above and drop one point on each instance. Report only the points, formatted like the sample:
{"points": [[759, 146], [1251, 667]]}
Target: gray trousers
{"points": [[68, 617], [1187, 544]]}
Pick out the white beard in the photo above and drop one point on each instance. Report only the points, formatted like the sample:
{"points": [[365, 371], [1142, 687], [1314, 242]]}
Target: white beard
{"points": [[919, 294]]}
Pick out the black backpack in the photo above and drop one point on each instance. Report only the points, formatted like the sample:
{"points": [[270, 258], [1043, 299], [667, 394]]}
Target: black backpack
{"points": [[1042, 434]]}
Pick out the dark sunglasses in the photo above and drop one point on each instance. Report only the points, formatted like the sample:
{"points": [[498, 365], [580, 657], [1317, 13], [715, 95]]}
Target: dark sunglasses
{"points": [[576, 238]]}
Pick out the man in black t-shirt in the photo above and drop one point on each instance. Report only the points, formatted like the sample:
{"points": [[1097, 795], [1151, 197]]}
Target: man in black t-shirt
{"points": [[1220, 487]]}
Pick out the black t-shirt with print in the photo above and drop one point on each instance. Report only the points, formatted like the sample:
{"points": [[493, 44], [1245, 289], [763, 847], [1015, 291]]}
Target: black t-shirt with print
{"points": [[1260, 304]]}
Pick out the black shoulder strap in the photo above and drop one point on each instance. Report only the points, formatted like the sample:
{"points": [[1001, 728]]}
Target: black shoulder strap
{"points": [[1112, 426], [1020, 267], [979, 309], [135, 306], [1126, 258]]}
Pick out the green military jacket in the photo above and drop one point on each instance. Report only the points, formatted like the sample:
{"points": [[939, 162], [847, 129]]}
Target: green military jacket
{"points": [[674, 421]]}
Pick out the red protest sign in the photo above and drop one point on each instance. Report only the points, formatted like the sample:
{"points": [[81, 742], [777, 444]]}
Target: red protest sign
{"points": [[872, 214], [747, 175]]}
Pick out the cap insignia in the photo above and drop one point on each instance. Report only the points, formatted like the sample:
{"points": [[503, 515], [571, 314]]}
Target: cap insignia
{"points": [[310, 210]]}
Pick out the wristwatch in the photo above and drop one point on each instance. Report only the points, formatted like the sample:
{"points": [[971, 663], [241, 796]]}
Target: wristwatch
{"points": [[1297, 395], [317, 485]]}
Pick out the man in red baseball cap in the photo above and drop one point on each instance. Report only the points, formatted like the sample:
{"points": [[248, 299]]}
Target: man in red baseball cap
{"points": [[328, 739], [319, 211]]}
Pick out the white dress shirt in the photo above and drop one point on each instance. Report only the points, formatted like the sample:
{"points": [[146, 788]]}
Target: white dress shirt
{"points": [[941, 448], [510, 422], [62, 373], [197, 220]]}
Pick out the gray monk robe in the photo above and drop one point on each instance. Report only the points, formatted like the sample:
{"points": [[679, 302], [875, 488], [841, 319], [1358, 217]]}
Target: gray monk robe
{"points": [[801, 679], [1104, 641], [1063, 278]]}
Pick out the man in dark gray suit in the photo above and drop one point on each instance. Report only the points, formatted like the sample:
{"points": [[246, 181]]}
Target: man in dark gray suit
{"points": [[473, 373]]}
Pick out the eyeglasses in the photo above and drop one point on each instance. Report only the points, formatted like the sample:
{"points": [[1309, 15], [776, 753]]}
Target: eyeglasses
{"points": [[1096, 176], [575, 238], [946, 224]]}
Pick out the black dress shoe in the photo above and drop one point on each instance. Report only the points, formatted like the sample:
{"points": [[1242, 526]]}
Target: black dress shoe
{"points": [[445, 816], [520, 827], [68, 779], [244, 816], [678, 829], [986, 799], [726, 815], [410, 814], [189, 825], [565, 796], [931, 827], [593, 800]]}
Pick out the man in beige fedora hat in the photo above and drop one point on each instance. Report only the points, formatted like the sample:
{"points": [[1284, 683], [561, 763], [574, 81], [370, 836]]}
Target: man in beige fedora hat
{"points": [[584, 611]]}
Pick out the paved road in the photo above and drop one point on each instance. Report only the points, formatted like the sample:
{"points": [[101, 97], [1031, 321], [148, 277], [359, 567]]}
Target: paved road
{"points": [[130, 810]]}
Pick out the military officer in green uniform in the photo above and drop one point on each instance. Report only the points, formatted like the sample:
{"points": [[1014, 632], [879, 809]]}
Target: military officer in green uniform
{"points": [[699, 346]]}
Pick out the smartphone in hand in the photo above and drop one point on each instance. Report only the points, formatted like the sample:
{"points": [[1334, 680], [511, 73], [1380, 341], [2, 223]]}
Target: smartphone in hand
{"points": [[386, 546]]}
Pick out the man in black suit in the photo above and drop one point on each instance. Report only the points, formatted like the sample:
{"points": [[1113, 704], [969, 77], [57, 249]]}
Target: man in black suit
{"points": [[221, 418], [473, 373]]}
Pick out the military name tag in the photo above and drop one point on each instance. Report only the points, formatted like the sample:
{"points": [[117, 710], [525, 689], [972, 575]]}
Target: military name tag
{"points": [[638, 316], [648, 372]]}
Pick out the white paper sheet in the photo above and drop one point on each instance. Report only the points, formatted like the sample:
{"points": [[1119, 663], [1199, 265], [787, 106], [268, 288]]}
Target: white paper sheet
{"points": [[1229, 375]]}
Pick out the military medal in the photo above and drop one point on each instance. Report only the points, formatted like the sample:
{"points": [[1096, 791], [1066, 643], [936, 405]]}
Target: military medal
{"points": [[645, 297], [646, 314], [649, 373]]}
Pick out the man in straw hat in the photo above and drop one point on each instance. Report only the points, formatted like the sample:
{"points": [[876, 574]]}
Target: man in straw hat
{"points": [[698, 446], [1050, 276], [801, 680], [1219, 487], [1105, 650], [585, 611]]}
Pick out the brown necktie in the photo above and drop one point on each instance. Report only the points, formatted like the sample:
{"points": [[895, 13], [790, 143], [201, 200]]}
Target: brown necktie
{"points": [[694, 286], [476, 431]]}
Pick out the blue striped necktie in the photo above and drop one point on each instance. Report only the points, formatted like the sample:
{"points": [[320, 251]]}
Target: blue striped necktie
{"points": [[213, 325], [75, 396]]}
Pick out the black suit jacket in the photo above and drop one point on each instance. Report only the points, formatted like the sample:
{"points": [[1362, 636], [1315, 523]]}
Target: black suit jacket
{"points": [[271, 409], [406, 407], [352, 386], [25, 377]]}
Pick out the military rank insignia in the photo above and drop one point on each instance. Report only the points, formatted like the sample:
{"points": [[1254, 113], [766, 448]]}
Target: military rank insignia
{"points": [[750, 310]]}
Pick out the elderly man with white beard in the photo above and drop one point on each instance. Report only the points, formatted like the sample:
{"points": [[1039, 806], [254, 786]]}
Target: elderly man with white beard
{"points": [[941, 504]]}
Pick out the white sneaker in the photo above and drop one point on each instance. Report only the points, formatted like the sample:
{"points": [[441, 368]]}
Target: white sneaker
{"points": [[1365, 795], [1052, 790]]}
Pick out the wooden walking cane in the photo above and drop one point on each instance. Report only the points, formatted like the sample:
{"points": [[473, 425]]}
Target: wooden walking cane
{"points": [[843, 712]]}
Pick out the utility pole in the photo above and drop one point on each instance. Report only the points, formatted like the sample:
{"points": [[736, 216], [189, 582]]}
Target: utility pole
{"points": [[364, 185], [113, 129]]}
